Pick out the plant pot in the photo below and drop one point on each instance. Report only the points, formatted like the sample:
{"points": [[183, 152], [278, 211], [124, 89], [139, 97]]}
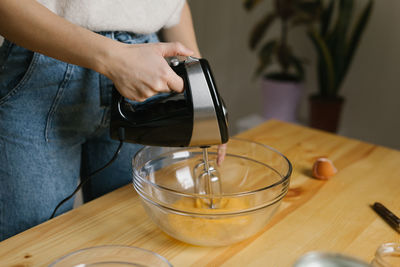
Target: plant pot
{"points": [[325, 112], [281, 99]]}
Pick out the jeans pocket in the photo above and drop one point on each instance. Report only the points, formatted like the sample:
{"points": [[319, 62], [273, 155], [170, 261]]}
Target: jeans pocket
{"points": [[16, 70]]}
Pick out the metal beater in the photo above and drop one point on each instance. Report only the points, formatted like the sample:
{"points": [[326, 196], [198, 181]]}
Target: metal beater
{"points": [[207, 181]]}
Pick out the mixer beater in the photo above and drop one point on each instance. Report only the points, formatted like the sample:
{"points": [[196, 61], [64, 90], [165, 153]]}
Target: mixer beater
{"points": [[207, 181]]}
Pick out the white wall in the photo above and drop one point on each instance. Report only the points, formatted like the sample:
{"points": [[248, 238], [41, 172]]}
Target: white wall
{"points": [[372, 88], [222, 28]]}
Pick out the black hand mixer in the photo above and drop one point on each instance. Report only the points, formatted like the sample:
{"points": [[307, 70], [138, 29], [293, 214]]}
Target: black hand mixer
{"points": [[195, 117]]}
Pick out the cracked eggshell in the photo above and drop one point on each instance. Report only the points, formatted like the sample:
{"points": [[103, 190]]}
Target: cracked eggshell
{"points": [[323, 169]]}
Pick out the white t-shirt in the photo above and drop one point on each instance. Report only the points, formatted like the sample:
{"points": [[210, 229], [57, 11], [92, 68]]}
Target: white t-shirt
{"points": [[138, 16]]}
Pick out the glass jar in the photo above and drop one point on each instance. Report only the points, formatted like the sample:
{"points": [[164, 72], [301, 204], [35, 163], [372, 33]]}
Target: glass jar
{"points": [[328, 259], [387, 255]]}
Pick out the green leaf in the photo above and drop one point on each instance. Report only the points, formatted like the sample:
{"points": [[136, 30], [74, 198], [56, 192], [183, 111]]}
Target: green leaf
{"points": [[309, 7], [301, 18], [356, 36], [284, 53], [259, 30], [285, 8], [250, 4], [326, 68], [306, 12], [326, 18], [265, 56], [339, 36]]}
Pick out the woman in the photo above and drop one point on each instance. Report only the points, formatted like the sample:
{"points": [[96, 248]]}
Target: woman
{"points": [[55, 101]]}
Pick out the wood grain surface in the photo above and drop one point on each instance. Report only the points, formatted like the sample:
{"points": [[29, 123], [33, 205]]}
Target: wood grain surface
{"points": [[333, 215]]}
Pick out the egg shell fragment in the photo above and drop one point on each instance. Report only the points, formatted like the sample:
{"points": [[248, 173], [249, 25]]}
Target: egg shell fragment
{"points": [[323, 169]]}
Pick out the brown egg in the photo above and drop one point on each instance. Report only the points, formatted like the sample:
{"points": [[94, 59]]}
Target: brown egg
{"points": [[323, 168]]}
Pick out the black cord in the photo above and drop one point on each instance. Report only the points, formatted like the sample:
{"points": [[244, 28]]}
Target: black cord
{"points": [[83, 181]]}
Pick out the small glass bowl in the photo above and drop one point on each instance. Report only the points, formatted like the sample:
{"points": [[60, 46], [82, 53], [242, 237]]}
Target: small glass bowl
{"points": [[253, 180], [111, 255]]}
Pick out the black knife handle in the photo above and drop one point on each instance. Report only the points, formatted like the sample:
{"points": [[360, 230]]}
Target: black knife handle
{"points": [[387, 215]]}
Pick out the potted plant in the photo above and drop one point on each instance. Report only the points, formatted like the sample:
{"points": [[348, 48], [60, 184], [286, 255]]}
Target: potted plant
{"points": [[336, 46], [281, 69]]}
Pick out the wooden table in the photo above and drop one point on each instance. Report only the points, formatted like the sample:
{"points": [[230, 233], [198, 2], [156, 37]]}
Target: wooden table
{"points": [[333, 215]]}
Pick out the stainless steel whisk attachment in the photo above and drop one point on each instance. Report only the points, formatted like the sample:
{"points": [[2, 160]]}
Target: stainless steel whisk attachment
{"points": [[207, 181]]}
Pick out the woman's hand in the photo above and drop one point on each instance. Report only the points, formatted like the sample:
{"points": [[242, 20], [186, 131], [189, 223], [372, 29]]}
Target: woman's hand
{"points": [[140, 71]]}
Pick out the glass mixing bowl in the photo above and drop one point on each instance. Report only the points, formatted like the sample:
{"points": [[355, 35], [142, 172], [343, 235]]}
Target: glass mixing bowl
{"points": [[111, 256], [253, 180]]}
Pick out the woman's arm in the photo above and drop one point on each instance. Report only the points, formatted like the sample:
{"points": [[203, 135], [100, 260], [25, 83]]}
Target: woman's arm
{"points": [[138, 71], [183, 32]]}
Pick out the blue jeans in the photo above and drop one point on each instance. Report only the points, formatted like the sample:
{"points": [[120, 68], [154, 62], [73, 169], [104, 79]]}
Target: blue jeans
{"points": [[54, 128]]}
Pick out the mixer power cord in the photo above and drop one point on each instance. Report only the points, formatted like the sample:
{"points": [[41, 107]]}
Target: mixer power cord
{"points": [[84, 180]]}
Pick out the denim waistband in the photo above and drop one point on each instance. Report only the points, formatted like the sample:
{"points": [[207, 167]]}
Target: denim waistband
{"points": [[129, 37]]}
